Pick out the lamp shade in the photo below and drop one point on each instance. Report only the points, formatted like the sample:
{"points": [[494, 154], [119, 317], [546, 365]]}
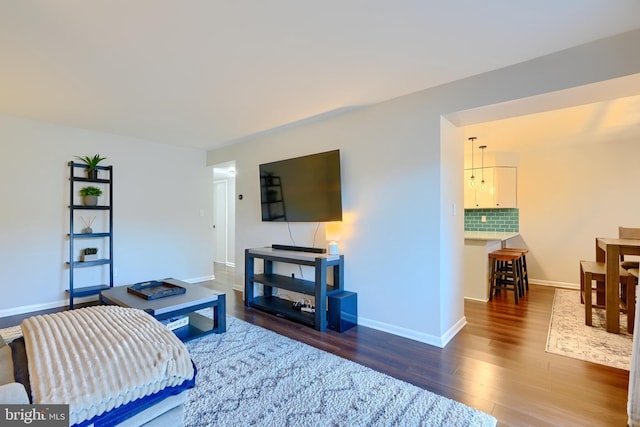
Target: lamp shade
{"points": [[333, 231]]}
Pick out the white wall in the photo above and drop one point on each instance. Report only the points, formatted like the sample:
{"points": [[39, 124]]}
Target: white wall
{"points": [[159, 193], [394, 192], [451, 230], [570, 195], [578, 169]]}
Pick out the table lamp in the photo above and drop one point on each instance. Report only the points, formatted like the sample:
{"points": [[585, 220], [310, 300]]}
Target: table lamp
{"points": [[332, 232]]}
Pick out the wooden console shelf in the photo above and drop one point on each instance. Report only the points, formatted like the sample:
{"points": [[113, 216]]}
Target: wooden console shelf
{"points": [[319, 287]]}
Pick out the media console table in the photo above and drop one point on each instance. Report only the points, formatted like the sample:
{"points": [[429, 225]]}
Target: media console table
{"points": [[319, 287]]}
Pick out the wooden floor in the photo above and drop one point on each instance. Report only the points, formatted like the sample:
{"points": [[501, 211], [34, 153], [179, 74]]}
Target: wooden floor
{"points": [[497, 363]]}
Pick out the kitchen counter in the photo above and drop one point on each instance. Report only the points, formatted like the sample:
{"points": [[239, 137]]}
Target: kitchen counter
{"points": [[477, 246], [490, 235]]}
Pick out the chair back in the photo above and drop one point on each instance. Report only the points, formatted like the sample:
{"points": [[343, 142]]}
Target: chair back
{"points": [[628, 233]]}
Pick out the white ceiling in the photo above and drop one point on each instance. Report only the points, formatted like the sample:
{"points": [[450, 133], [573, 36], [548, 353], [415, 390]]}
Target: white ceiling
{"points": [[205, 73], [602, 112]]}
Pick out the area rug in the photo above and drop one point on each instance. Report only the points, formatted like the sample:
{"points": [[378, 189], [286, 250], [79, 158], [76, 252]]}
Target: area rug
{"points": [[252, 376], [569, 336]]}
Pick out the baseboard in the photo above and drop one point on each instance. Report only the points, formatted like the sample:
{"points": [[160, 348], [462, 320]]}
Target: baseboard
{"points": [[237, 287], [565, 285], [44, 306], [415, 335], [453, 331], [62, 303], [475, 299], [199, 279]]}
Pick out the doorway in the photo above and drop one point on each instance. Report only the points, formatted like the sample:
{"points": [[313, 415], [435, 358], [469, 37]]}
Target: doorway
{"points": [[224, 213]]}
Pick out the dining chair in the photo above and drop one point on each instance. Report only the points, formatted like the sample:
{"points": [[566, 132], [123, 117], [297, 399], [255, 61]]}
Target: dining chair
{"points": [[628, 233], [591, 271]]}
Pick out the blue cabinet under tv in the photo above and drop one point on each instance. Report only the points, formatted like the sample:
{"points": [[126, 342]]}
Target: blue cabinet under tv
{"points": [[323, 265]]}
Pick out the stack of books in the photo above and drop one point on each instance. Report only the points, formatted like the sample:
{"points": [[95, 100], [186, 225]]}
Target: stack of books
{"points": [[173, 323]]}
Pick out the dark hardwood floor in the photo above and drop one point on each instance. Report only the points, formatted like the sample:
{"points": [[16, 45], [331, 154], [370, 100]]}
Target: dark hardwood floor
{"points": [[497, 363]]}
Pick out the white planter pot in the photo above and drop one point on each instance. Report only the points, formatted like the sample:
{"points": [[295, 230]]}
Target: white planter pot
{"points": [[90, 200]]}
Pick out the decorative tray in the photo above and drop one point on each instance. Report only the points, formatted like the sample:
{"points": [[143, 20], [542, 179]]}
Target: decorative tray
{"points": [[155, 289]]}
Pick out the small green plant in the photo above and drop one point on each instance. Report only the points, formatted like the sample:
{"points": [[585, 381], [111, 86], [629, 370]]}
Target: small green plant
{"points": [[91, 162], [91, 251], [90, 191]]}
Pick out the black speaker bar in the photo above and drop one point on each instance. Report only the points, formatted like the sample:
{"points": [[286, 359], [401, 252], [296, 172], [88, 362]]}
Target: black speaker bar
{"points": [[299, 249]]}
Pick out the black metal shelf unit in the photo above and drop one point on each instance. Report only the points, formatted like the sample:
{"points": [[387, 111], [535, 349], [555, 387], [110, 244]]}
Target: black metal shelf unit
{"points": [[107, 185]]}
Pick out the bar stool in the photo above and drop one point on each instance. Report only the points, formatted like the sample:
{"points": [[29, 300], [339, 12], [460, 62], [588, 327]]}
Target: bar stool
{"points": [[519, 264], [504, 274], [522, 261], [590, 271]]}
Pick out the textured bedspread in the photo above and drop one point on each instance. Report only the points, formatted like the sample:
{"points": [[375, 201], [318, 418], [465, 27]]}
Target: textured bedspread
{"points": [[98, 358]]}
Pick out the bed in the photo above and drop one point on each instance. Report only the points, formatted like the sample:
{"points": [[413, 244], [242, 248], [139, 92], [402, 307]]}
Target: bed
{"points": [[112, 366]]}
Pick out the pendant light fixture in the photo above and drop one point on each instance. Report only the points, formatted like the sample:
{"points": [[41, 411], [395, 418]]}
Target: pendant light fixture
{"points": [[482, 185], [472, 181]]}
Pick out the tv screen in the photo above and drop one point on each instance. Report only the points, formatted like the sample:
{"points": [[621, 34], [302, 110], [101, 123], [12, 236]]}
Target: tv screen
{"points": [[302, 189]]}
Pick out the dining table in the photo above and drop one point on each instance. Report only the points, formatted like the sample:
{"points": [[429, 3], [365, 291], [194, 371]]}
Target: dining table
{"points": [[608, 250]]}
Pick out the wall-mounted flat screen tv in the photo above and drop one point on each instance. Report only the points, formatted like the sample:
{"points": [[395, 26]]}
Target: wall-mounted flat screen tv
{"points": [[302, 189]]}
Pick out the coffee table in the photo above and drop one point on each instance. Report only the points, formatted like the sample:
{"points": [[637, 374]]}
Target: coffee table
{"points": [[195, 298]]}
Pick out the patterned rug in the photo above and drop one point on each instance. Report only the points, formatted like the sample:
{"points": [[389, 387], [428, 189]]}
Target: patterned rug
{"points": [[569, 336], [252, 376]]}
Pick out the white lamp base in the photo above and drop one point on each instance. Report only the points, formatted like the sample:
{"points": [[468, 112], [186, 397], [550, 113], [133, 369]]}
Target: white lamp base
{"points": [[333, 248]]}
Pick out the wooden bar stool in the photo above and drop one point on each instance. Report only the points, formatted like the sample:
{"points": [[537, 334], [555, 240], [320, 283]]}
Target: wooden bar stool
{"points": [[522, 264], [590, 271], [504, 274], [519, 264]]}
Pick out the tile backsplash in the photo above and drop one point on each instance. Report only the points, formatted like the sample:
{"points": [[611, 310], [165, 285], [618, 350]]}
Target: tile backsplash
{"points": [[497, 220]]}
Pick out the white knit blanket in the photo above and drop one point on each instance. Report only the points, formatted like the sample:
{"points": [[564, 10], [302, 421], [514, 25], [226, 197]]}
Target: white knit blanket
{"points": [[98, 358]]}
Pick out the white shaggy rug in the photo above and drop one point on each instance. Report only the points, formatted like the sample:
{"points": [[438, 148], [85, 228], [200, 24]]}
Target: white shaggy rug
{"points": [[254, 377], [250, 376], [569, 336]]}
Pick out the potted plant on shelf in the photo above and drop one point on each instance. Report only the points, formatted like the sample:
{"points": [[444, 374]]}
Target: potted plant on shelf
{"points": [[90, 195], [89, 254], [92, 165]]}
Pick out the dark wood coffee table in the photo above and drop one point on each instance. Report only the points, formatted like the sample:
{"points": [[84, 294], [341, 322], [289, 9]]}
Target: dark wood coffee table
{"points": [[195, 298]]}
